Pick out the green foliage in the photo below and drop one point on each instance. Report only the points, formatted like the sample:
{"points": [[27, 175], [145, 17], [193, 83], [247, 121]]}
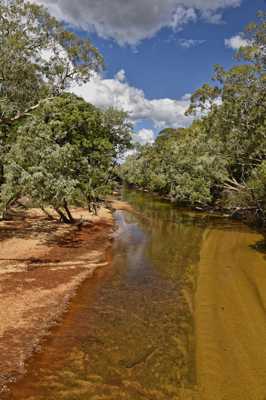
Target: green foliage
{"points": [[181, 165], [65, 154], [257, 185], [221, 157], [54, 147], [38, 58], [57, 149]]}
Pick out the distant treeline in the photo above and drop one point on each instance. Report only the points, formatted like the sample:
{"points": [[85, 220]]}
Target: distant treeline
{"points": [[220, 160]]}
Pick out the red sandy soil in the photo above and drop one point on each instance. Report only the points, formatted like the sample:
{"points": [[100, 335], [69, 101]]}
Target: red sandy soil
{"points": [[42, 264]]}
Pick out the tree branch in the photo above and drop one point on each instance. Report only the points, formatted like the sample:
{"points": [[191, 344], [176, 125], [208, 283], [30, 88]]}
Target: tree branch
{"points": [[26, 113]]}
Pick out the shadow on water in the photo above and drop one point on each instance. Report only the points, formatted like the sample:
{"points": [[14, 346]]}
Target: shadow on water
{"points": [[130, 332]]}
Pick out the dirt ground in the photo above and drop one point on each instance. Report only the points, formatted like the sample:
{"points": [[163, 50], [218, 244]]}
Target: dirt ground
{"points": [[42, 263]]}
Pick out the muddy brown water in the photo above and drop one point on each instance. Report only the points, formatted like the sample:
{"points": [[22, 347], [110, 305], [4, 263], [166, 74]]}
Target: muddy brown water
{"points": [[180, 314]]}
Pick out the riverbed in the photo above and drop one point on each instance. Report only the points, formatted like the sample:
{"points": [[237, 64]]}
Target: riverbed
{"points": [[180, 313]]}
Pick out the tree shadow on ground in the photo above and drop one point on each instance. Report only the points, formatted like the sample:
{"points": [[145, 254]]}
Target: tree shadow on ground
{"points": [[50, 232]]}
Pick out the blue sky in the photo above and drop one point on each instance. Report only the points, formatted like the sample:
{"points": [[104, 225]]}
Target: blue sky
{"points": [[156, 51], [162, 68]]}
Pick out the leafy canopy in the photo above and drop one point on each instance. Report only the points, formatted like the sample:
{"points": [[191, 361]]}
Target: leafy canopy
{"points": [[220, 158], [55, 148], [65, 153], [38, 58]]}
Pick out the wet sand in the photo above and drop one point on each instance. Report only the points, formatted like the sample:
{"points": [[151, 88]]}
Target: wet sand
{"points": [[231, 317], [42, 264]]}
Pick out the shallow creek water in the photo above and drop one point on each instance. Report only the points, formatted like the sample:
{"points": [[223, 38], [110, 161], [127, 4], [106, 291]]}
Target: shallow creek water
{"points": [[153, 325]]}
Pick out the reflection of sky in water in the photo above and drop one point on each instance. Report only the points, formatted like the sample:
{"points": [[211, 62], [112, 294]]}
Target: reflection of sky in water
{"points": [[134, 339], [131, 247], [131, 335]]}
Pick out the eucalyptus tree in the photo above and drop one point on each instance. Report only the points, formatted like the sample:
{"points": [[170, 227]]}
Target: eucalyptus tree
{"points": [[236, 106], [236, 119], [39, 59], [65, 154], [221, 157], [182, 165]]}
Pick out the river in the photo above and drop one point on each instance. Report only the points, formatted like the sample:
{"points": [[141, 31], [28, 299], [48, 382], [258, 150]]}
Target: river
{"points": [[180, 314]]}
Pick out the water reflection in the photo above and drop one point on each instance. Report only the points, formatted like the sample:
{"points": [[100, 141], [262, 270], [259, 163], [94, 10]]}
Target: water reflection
{"points": [[130, 332], [130, 335]]}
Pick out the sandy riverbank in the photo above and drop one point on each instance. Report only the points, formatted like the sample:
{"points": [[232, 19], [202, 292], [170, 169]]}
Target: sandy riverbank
{"points": [[42, 263], [230, 316]]}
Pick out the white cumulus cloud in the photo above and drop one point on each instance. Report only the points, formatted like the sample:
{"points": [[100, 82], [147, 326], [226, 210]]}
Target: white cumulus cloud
{"points": [[118, 93], [236, 42], [144, 136], [121, 75], [129, 22]]}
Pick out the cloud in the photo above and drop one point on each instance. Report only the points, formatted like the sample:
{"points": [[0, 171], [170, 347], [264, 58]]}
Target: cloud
{"points": [[212, 17], [144, 136], [118, 93], [121, 75], [188, 43], [236, 42], [129, 22]]}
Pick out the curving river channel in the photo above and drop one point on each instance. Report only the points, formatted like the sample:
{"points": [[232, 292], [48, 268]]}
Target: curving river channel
{"points": [[180, 314]]}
